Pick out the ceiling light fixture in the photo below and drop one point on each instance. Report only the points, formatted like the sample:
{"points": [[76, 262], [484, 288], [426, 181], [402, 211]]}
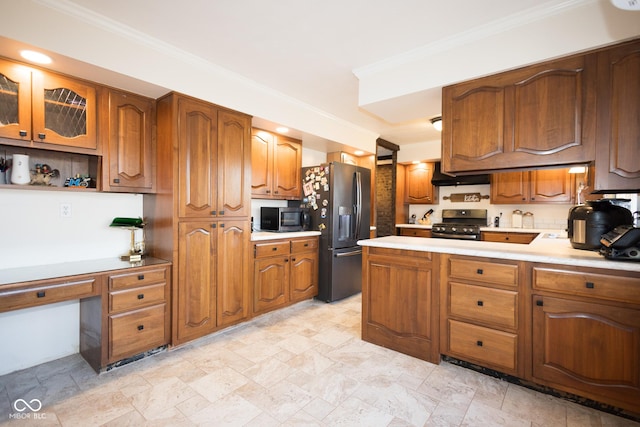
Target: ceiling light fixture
{"points": [[626, 4], [437, 123], [37, 57]]}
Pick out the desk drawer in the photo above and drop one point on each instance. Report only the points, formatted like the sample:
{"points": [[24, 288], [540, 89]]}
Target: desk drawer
{"points": [[272, 248], [602, 286], [138, 278], [47, 293], [136, 331], [487, 346], [136, 298], [479, 303]]}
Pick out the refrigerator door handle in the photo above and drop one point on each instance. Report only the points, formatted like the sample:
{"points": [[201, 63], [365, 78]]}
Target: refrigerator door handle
{"points": [[344, 254], [358, 204]]}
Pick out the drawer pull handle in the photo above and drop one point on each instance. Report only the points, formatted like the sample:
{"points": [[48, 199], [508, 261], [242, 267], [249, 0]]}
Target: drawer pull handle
{"points": [[40, 294], [274, 248], [140, 276], [539, 303], [140, 327], [42, 135], [480, 303], [306, 244], [479, 343], [140, 296], [23, 133], [479, 271], [590, 285]]}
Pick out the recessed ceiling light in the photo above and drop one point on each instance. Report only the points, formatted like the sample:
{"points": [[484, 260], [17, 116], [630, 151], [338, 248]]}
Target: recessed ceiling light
{"points": [[282, 129], [37, 57]]}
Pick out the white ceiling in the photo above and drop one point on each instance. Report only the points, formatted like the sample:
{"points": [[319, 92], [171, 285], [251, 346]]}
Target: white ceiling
{"points": [[375, 64]]}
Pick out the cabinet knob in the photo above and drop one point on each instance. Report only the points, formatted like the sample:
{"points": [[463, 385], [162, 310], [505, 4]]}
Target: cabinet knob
{"points": [[214, 225], [140, 296], [275, 192], [506, 238], [286, 260], [140, 276], [306, 244], [479, 271], [214, 213], [116, 181], [23, 133], [140, 327], [479, 343], [221, 213], [293, 259], [41, 294], [480, 303], [42, 135], [590, 285], [274, 248], [268, 191], [539, 303]]}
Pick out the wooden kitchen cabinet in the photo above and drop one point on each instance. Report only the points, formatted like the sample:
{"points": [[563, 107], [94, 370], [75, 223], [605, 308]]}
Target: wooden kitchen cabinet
{"points": [[483, 320], [276, 166], [400, 307], [507, 237], [127, 123], [618, 131], [48, 110], [414, 232], [138, 313], [201, 213], [586, 333], [285, 272], [539, 115], [537, 186], [418, 187]]}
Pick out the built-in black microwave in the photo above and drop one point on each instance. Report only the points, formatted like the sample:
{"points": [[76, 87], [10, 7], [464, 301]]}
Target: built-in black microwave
{"points": [[284, 219]]}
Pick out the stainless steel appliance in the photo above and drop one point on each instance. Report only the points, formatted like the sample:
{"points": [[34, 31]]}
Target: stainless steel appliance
{"points": [[588, 222], [283, 219], [623, 242], [460, 224], [337, 195]]}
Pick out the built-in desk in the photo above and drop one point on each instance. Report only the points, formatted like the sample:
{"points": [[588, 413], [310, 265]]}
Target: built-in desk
{"points": [[124, 307]]}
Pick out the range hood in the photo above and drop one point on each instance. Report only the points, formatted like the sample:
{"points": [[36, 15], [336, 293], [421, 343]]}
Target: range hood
{"points": [[439, 179]]}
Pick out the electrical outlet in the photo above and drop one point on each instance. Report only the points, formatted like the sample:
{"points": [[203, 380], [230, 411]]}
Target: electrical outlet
{"points": [[65, 210]]}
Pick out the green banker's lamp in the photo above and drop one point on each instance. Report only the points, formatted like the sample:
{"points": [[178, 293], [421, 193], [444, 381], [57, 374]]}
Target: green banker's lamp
{"points": [[136, 252]]}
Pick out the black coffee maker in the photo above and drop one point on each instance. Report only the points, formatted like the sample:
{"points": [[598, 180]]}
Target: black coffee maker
{"points": [[586, 223]]}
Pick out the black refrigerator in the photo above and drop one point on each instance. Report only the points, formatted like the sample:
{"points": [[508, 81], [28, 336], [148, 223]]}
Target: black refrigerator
{"points": [[338, 196]]}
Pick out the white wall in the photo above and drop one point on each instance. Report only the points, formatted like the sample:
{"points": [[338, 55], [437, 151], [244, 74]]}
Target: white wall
{"points": [[33, 233]]}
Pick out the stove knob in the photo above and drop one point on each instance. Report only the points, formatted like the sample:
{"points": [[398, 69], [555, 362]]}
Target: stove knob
{"points": [[454, 229]]}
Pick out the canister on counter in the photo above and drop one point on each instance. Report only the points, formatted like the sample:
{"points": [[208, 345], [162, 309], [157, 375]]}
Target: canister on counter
{"points": [[527, 220], [516, 219]]}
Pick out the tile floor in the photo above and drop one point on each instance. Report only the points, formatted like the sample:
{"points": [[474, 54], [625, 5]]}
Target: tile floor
{"points": [[301, 366]]}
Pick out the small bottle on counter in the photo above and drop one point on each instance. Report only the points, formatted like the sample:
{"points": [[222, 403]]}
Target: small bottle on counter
{"points": [[527, 220], [516, 219]]}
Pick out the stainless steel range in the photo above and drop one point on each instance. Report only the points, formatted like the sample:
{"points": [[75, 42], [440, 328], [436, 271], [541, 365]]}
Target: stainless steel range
{"points": [[460, 224]]}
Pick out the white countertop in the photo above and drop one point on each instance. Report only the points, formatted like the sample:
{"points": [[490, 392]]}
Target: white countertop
{"points": [[269, 235], [541, 249]]}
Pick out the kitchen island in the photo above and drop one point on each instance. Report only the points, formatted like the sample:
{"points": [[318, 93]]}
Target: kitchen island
{"points": [[553, 316]]}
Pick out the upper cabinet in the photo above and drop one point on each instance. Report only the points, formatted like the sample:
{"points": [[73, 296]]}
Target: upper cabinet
{"points": [[535, 116], [276, 165], [618, 124], [539, 186], [127, 125], [53, 111], [418, 187]]}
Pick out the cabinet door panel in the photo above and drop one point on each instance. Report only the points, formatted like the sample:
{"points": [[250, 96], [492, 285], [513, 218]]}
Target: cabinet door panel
{"points": [[15, 99], [234, 158], [590, 346], [304, 276], [197, 158], [233, 271], [196, 288], [509, 187], [271, 275], [552, 186], [418, 183], [261, 162], [287, 172]]}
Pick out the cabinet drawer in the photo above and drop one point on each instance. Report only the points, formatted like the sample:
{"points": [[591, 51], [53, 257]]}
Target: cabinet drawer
{"points": [[47, 293], [136, 298], [615, 288], [484, 271], [304, 245], [495, 348], [272, 248], [136, 331], [495, 306], [497, 236], [139, 278], [415, 232]]}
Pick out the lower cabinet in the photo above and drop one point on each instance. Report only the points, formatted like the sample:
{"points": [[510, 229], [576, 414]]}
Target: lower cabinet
{"points": [[482, 320], [400, 301], [586, 333], [414, 232], [213, 277], [507, 237], [285, 271]]}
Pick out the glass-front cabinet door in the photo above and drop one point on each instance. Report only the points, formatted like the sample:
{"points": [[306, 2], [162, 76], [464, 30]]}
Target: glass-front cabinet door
{"points": [[15, 101], [64, 111]]}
